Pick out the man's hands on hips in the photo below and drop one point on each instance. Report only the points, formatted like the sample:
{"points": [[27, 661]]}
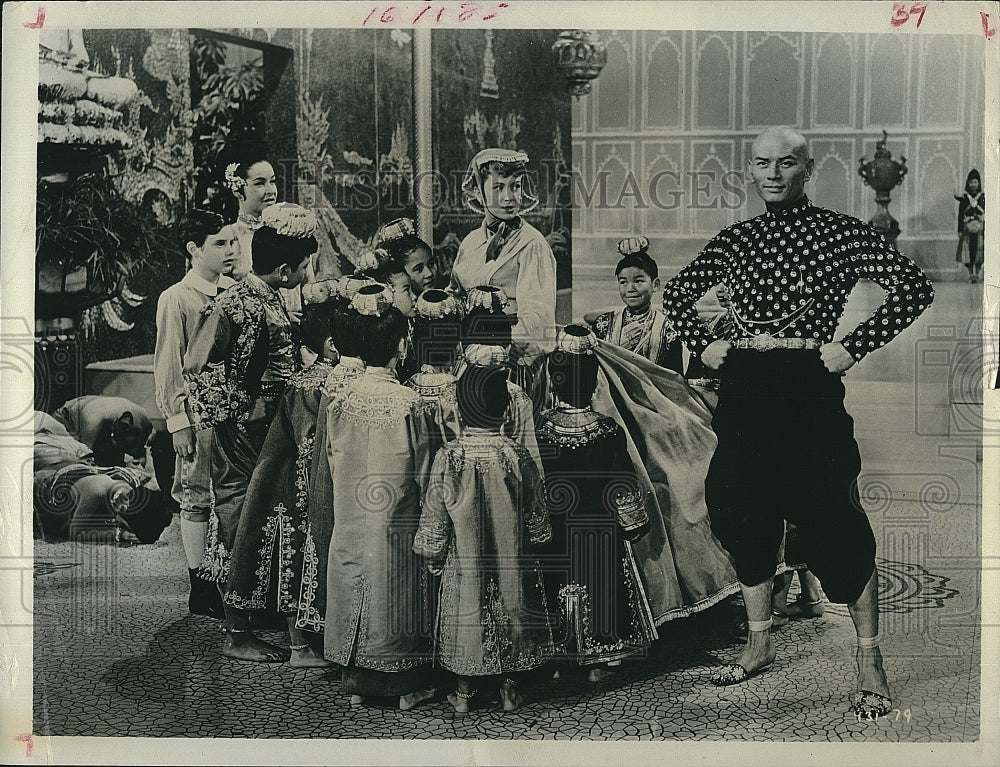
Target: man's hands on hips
{"points": [[715, 353], [184, 443], [835, 357]]}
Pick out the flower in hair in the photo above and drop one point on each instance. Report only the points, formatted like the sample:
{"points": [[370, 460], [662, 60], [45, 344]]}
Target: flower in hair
{"points": [[290, 220], [233, 182]]}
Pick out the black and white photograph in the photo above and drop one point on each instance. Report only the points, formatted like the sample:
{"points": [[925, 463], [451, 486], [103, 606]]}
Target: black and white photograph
{"points": [[500, 382]]}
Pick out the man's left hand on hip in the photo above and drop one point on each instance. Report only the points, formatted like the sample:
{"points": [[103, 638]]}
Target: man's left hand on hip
{"points": [[835, 357]]}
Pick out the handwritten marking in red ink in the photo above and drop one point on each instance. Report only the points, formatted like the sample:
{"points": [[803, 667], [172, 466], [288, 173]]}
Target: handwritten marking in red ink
{"points": [[465, 12], [986, 25], [39, 21], [901, 13], [493, 15], [27, 738]]}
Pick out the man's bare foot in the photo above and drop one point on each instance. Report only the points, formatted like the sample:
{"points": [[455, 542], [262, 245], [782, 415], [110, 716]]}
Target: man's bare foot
{"points": [[406, 702], [509, 696], [871, 675], [246, 646], [304, 656], [758, 654]]}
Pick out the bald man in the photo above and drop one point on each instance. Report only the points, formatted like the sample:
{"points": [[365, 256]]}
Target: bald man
{"points": [[786, 444]]}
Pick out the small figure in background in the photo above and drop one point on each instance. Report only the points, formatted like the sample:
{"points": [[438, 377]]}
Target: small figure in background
{"points": [[971, 217]]}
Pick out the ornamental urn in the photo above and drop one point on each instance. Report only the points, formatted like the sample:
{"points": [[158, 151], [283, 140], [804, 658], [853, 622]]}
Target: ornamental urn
{"points": [[883, 174], [580, 56]]}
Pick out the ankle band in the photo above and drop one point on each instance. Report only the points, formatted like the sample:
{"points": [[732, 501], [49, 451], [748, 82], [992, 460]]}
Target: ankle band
{"points": [[759, 625], [867, 643]]}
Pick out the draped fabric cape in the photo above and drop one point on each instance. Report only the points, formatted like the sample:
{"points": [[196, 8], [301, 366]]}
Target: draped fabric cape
{"points": [[670, 441], [267, 558]]}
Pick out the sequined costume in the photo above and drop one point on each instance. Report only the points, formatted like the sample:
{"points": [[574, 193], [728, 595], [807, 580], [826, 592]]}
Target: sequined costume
{"points": [[267, 559], [236, 366], [786, 446], [483, 514], [658, 341], [597, 507], [378, 591]]}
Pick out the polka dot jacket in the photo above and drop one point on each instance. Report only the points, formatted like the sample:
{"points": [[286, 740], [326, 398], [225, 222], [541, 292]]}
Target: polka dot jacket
{"points": [[789, 272]]}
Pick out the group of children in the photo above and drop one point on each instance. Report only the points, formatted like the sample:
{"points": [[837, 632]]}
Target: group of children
{"points": [[398, 500]]}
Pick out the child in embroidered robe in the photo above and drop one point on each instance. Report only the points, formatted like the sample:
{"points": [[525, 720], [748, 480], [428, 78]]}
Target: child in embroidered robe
{"points": [[597, 509], [311, 605], [266, 568], [637, 326], [378, 619], [236, 367], [483, 514]]}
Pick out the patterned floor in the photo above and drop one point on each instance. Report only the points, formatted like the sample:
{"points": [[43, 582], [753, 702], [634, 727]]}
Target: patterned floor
{"points": [[116, 654]]}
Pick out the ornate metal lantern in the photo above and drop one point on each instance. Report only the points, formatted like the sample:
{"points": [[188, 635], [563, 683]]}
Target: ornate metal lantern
{"points": [[580, 56], [883, 174]]}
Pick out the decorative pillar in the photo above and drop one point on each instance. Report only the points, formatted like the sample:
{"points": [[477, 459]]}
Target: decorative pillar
{"points": [[423, 187]]}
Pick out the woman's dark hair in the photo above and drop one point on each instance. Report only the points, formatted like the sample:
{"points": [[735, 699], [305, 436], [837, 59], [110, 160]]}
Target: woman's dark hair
{"points": [[198, 225], [245, 153], [482, 396], [573, 377], [314, 329], [379, 337], [343, 328], [271, 250]]}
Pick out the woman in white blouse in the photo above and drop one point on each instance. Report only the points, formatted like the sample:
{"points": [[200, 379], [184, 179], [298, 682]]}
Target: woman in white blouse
{"points": [[509, 253]]}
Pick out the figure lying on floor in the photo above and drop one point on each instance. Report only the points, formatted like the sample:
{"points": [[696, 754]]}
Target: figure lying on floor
{"points": [[75, 498]]}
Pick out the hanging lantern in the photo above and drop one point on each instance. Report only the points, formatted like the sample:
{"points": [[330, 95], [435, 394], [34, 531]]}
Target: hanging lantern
{"points": [[580, 56]]}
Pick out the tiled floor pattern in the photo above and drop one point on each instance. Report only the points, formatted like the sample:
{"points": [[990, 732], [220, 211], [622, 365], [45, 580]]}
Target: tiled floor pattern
{"points": [[117, 654], [141, 666]]}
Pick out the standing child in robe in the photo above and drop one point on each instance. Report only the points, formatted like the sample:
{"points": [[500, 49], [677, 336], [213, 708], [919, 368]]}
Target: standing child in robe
{"points": [[598, 509], [483, 514], [266, 568], [378, 594], [319, 525]]}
